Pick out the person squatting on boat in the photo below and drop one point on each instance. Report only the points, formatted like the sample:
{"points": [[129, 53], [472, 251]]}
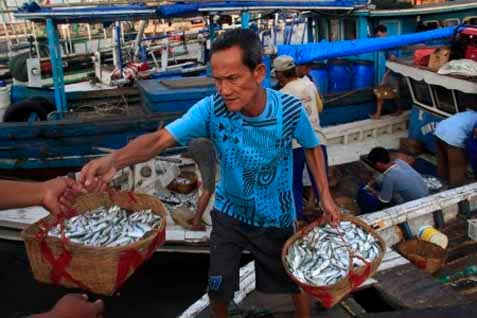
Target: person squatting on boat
{"points": [[56, 196], [305, 90], [252, 129], [451, 135], [202, 151], [389, 87], [400, 182]]}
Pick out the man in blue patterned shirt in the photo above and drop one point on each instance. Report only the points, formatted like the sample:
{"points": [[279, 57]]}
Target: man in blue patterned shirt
{"points": [[252, 129]]}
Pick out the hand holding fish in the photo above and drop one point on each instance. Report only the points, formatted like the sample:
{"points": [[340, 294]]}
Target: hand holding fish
{"points": [[75, 306], [96, 174]]}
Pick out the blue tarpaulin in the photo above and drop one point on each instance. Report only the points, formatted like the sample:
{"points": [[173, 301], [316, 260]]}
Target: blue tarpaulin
{"points": [[310, 52]]}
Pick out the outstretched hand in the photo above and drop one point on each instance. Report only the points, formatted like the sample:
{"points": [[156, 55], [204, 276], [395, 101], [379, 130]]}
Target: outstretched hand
{"points": [[96, 174], [58, 194]]}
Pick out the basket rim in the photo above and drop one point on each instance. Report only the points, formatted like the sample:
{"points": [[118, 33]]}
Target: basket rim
{"points": [[436, 247], [319, 222], [30, 232]]}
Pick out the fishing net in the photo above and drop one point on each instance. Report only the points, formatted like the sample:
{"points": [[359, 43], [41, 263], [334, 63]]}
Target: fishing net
{"points": [[101, 270]]}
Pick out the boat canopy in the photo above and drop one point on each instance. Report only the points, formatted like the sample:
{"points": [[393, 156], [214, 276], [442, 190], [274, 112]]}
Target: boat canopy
{"points": [[111, 13], [432, 78], [310, 52], [89, 14], [194, 7]]}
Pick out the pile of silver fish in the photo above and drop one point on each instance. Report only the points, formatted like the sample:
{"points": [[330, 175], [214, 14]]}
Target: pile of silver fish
{"points": [[322, 257], [108, 227], [432, 183]]}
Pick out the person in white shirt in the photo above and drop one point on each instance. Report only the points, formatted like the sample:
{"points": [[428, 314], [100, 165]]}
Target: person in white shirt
{"points": [[303, 88]]}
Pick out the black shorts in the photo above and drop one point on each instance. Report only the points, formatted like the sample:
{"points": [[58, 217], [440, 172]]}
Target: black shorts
{"points": [[228, 239]]}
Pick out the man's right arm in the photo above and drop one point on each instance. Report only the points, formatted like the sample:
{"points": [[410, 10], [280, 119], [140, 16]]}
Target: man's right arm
{"points": [[142, 149], [191, 125]]}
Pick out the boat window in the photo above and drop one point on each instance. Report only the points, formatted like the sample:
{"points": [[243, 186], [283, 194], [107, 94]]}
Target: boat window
{"points": [[421, 92], [349, 29], [444, 99], [465, 101], [432, 24], [470, 20], [450, 22]]}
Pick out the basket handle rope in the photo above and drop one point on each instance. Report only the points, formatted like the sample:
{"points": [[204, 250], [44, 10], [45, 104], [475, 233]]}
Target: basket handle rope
{"points": [[355, 278], [58, 265], [132, 259]]}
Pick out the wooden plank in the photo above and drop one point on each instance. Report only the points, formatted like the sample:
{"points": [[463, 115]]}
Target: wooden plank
{"points": [[407, 286], [395, 122], [413, 209], [21, 218], [341, 154], [247, 284], [460, 311]]}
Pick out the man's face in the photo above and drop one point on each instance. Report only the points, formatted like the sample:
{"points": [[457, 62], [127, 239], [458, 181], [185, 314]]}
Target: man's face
{"points": [[235, 82], [380, 34], [381, 167]]}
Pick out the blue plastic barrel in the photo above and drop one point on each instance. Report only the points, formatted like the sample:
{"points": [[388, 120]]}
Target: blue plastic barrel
{"points": [[340, 76], [363, 74], [319, 74]]}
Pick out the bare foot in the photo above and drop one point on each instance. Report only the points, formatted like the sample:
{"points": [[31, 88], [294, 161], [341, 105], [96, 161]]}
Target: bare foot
{"points": [[397, 112], [375, 116]]}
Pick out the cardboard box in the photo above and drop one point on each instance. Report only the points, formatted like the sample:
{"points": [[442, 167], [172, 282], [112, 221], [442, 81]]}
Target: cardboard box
{"points": [[439, 58]]}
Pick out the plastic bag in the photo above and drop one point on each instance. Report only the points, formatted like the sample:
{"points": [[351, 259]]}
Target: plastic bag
{"points": [[463, 67]]}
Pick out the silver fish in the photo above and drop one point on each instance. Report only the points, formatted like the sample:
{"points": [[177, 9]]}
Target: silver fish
{"points": [[322, 257], [110, 227]]}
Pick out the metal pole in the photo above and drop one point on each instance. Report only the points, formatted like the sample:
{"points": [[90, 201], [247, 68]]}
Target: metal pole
{"points": [[137, 41], [57, 67]]}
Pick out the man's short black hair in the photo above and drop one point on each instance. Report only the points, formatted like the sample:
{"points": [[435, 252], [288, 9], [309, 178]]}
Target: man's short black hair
{"points": [[380, 28], [379, 154], [247, 40]]}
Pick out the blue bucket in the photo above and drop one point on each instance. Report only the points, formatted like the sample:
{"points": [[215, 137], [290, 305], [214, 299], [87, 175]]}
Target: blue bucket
{"points": [[319, 74], [340, 76], [363, 74]]}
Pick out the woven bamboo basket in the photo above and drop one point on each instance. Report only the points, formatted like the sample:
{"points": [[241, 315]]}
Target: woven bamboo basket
{"points": [[101, 270], [426, 255], [330, 295], [187, 187]]}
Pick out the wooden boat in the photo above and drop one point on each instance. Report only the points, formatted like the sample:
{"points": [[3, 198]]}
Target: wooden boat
{"points": [[340, 108]]}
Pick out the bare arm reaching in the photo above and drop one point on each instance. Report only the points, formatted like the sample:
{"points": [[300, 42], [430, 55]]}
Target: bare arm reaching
{"points": [[140, 149], [55, 195]]}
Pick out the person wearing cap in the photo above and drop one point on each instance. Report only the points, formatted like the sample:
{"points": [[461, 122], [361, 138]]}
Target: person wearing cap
{"points": [[305, 90]]}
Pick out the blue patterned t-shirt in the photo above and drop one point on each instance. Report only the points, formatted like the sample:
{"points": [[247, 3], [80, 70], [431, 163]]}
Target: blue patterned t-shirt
{"points": [[255, 155]]}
